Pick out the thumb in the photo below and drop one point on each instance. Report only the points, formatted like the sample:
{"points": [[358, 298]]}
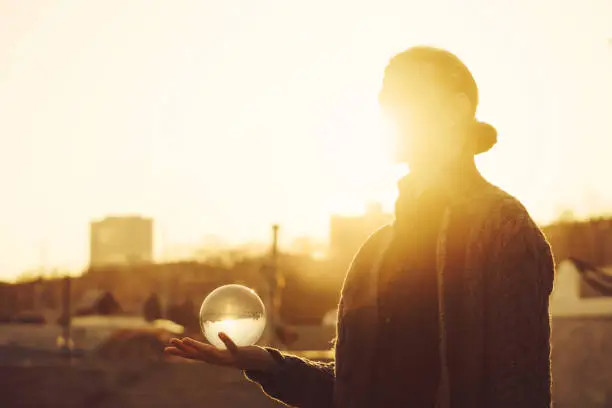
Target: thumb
{"points": [[229, 343]]}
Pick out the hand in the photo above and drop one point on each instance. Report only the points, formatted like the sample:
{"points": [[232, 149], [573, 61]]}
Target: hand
{"points": [[243, 358]]}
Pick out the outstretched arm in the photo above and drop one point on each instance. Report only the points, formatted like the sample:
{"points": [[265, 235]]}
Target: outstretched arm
{"points": [[298, 382], [309, 384], [519, 283], [288, 379]]}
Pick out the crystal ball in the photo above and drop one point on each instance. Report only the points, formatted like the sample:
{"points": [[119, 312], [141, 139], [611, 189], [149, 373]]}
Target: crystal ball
{"points": [[235, 310]]}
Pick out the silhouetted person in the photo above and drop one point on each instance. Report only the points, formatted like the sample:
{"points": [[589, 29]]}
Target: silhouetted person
{"points": [[152, 309], [446, 307]]}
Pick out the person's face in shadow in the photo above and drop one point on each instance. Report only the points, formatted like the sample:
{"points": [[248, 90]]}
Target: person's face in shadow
{"points": [[426, 119]]}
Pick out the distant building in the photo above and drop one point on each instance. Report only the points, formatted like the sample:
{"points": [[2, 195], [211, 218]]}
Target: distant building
{"points": [[8, 301], [589, 240], [308, 246], [121, 241], [24, 297], [347, 234]]}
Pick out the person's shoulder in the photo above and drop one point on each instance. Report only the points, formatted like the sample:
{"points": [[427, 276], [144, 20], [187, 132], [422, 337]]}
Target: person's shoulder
{"points": [[372, 246], [501, 208], [375, 242], [362, 264], [376, 238], [506, 217]]}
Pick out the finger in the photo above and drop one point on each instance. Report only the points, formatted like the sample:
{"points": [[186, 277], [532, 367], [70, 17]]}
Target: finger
{"points": [[199, 346], [203, 349], [174, 342], [209, 353], [229, 343], [186, 348], [173, 351], [194, 355]]}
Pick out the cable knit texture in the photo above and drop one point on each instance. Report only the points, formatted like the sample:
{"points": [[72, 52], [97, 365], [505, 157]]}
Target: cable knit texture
{"points": [[496, 270]]}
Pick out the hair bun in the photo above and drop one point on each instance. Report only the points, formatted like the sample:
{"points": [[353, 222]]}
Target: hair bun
{"points": [[486, 137]]}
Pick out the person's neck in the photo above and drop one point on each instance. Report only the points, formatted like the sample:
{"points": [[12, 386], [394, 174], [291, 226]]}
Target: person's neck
{"points": [[463, 165], [429, 176]]}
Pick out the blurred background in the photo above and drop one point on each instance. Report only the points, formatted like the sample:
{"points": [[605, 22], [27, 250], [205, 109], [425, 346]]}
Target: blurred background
{"points": [[153, 150]]}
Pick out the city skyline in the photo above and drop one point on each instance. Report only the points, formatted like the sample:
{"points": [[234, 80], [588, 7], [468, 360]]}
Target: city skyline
{"points": [[227, 117], [209, 246]]}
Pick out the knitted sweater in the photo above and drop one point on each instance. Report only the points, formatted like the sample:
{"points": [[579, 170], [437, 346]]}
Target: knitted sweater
{"points": [[408, 304], [494, 319]]}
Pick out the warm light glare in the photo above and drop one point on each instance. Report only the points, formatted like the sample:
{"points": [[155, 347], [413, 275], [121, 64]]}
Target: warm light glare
{"points": [[224, 117]]}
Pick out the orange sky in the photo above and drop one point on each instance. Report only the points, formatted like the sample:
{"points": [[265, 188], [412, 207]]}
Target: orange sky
{"points": [[223, 117]]}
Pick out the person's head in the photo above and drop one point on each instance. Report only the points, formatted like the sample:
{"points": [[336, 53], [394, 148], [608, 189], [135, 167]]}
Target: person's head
{"points": [[430, 97]]}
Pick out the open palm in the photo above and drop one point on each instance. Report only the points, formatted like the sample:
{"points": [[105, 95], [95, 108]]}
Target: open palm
{"points": [[242, 358]]}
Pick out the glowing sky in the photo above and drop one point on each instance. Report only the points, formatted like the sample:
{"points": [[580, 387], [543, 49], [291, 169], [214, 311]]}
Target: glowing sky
{"points": [[221, 117]]}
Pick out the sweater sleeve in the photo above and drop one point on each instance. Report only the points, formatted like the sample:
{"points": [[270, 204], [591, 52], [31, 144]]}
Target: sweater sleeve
{"points": [[517, 350], [308, 384], [299, 383]]}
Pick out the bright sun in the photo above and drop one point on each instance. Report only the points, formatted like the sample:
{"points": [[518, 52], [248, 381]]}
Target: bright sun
{"points": [[360, 158]]}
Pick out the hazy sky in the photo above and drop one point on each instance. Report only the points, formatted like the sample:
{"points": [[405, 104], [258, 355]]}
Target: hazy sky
{"points": [[221, 117]]}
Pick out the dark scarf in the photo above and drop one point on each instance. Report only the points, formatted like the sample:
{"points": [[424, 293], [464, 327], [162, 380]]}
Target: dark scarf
{"points": [[408, 292], [408, 301]]}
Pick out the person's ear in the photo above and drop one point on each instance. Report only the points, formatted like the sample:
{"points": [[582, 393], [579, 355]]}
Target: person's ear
{"points": [[460, 110], [463, 106]]}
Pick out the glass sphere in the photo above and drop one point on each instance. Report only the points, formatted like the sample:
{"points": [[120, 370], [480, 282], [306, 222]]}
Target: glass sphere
{"points": [[235, 310]]}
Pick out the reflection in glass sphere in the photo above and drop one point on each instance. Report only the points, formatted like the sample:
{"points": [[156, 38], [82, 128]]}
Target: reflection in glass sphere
{"points": [[235, 310]]}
